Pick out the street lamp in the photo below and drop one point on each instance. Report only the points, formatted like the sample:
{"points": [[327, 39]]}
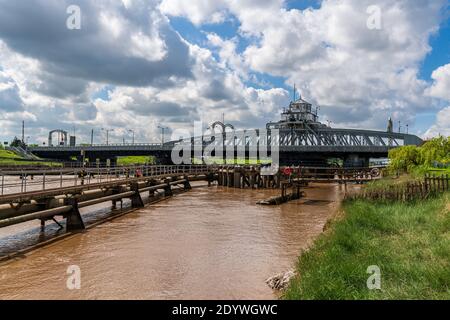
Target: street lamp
{"points": [[107, 134], [26, 145], [162, 133], [132, 131]]}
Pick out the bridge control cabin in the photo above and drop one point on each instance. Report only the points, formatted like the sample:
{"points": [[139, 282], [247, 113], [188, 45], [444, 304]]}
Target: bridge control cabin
{"points": [[305, 140], [299, 115]]}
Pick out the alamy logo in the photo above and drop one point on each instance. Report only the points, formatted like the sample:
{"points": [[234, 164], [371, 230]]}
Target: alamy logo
{"points": [[73, 22], [374, 281], [374, 19], [74, 279]]}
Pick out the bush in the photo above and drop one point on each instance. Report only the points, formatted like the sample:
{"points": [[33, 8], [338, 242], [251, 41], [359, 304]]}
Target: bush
{"points": [[437, 149], [418, 159]]}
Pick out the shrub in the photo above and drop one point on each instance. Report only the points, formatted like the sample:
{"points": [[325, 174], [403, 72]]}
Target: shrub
{"points": [[413, 158]]}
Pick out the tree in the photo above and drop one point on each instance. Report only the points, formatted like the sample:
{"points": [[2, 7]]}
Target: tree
{"points": [[17, 143], [435, 150], [404, 158], [407, 157]]}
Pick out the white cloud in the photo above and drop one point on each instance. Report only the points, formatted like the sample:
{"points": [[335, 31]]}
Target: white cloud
{"points": [[360, 77], [197, 11], [441, 84], [440, 89], [10, 100], [442, 125]]}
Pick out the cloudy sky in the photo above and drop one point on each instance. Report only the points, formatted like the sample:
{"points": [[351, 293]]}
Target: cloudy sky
{"points": [[137, 64]]}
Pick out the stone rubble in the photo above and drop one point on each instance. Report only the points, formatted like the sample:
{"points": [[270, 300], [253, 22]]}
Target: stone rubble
{"points": [[281, 280]]}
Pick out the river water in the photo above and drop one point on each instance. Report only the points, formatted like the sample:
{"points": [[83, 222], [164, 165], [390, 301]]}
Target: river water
{"points": [[208, 243]]}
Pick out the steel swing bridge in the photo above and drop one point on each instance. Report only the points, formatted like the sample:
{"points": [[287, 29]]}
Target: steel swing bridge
{"points": [[299, 138]]}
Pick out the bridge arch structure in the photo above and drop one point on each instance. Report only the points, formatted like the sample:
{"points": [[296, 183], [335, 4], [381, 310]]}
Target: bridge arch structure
{"points": [[61, 132]]}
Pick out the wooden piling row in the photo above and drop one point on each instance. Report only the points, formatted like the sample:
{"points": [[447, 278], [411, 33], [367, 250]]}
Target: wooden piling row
{"points": [[247, 177]]}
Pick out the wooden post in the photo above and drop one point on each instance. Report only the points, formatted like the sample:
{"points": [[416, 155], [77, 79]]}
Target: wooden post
{"points": [[187, 185], [168, 190], [136, 200], [74, 222]]}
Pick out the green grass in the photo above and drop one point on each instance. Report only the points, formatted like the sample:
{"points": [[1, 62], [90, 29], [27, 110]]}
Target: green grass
{"points": [[125, 161], [390, 181], [409, 242], [420, 171], [6, 162], [4, 154], [9, 158], [439, 171]]}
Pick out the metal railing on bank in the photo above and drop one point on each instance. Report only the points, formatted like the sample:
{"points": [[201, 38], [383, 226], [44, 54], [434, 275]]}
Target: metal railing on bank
{"points": [[20, 181]]}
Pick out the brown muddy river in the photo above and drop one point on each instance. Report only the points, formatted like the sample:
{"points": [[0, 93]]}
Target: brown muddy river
{"points": [[208, 243]]}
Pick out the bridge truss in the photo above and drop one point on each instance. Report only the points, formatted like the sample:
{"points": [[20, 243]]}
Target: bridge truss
{"points": [[310, 140]]}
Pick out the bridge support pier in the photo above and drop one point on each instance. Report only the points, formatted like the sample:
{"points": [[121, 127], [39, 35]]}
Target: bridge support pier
{"points": [[74, 222], [354, 160], [187, 185], [168, 189], [114, 204], [44, 204], [237, 179], [117, 190], [136, 200], [210, 178]]}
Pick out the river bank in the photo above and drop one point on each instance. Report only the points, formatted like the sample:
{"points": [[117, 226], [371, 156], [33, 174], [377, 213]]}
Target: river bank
{"points": [[408, 242]]}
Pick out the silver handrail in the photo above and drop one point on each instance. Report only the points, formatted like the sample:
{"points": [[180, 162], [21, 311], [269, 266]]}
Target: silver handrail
{"points": [[39, 180]]}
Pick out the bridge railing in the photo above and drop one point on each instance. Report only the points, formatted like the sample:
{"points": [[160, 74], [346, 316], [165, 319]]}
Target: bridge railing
{"points": [[110, 145], [39, 180]]}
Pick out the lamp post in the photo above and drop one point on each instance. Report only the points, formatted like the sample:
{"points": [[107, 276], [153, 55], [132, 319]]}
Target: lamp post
{"points": [[163, 129], [26, 145], [107, 134], [132, 131]]}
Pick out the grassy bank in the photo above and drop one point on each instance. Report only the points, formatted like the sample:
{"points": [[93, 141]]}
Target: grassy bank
{"points": [[5, 154], [131, 160], [409, 242], [9, 158]]}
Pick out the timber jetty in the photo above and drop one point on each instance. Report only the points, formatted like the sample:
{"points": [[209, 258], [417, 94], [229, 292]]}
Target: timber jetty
{"points": [[88, 187]]}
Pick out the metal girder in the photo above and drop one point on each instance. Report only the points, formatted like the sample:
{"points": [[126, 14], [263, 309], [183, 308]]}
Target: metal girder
{"points": [[339, 139], [310, 139]]}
